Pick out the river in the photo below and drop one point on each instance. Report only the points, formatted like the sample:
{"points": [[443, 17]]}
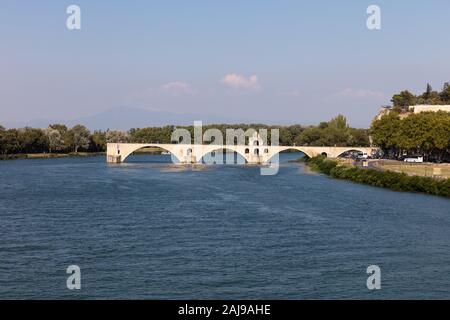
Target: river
{"points": [[148, 229]]}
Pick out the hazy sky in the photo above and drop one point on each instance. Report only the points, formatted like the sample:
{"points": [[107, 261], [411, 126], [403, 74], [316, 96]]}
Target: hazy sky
{"points": [[268, 61]]}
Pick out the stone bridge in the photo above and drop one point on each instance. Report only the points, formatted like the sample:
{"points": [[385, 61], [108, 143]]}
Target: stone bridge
{"points": [[194, 153]]}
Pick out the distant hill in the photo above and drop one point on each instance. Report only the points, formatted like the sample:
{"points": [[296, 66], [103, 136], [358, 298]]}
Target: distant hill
{"points": [[125, 118]]}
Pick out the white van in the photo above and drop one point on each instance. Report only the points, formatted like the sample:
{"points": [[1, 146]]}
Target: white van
{"points": [[362, 155], [418, 159]]}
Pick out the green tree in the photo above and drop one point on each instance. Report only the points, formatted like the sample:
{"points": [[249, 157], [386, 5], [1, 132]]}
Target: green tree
{"points": [[426, 134], [66, 136], [11, 142], [336, 132], [286, 138], [437, 134], [117, 136], [80, 137], [359, 137], [427, 94], [32, 140], [60, 127], [445, 93], [385, 133], [339, 122], [55, 139], [403, 100], [98, 141], [2, 140], [309, 137]]}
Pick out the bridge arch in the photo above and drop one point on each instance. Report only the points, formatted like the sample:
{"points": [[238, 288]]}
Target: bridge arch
{"points": [[300, 149], [125, 152], [341, 152], [273, 153], [224, 148]]}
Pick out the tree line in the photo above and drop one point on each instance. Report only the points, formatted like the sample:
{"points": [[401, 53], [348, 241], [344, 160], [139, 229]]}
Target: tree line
{"points": [[58, 138], [335, 132], [401, 101], [424, 134]]}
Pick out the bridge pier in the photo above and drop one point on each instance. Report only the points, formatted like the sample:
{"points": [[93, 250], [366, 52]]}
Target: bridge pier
{"points": [[256, 159], [190, 159], [113, 158]]}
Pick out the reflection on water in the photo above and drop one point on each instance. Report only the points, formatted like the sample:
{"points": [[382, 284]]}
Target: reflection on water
{"points": [[181, 167]]}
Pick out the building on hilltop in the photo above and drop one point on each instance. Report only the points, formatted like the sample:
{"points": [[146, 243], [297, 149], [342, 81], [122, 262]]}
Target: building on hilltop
{"points": [[385, 110], [428, 108]]}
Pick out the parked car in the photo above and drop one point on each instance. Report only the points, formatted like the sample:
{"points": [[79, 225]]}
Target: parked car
{"points": [[362, 155], [418, 159]]}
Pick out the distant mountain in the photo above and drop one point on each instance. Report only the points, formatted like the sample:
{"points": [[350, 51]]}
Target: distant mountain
{"points": [[125, 118]]}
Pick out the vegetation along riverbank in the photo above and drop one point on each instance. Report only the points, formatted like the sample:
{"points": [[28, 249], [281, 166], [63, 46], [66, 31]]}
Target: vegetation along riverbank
{"points": [[49, 155], [384, 179]]}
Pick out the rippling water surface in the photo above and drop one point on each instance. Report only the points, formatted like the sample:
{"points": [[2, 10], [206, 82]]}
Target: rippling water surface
{"points": [[150, 229]]}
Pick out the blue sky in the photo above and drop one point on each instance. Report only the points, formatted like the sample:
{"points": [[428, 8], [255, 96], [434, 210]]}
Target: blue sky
{"points": [[264, 61]]}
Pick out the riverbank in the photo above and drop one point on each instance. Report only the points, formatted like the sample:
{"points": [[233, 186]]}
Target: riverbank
{"points": [[385, 179], [19, 156], [50, 155], [440, 170]]}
